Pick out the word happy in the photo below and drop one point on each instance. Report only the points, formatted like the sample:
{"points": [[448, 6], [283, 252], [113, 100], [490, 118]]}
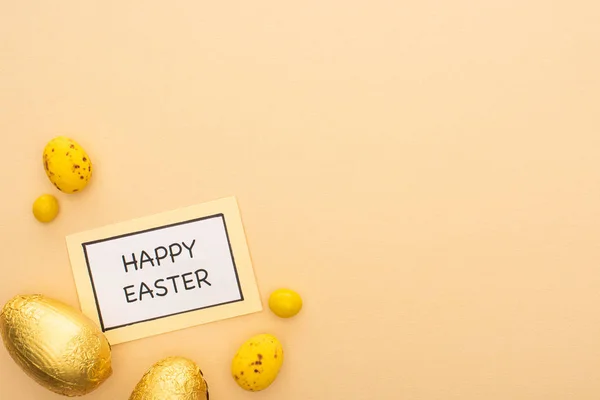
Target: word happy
{"points": [[164, 286]]}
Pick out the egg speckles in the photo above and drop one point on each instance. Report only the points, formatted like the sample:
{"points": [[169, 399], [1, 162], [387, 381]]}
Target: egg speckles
{"points": [[67, 164], [257, 362]]}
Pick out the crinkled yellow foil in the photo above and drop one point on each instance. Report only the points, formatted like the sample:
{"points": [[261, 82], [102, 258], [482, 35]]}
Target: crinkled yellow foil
{"points": [[173, 378], [55, 344]]}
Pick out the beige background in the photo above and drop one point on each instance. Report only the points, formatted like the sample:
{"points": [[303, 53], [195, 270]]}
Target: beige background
{"points": [[425, 173]]}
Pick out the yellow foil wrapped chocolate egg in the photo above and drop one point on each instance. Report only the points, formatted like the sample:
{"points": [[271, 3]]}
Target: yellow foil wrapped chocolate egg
{"points": [[173, 378], [55, 344]]}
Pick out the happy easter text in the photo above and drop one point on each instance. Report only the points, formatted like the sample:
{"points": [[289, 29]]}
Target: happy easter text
{"points": [[158, 257]]}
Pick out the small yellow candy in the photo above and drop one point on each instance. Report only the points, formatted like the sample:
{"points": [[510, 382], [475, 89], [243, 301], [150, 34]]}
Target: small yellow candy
{"points": [[285, 303], [45, 208]]}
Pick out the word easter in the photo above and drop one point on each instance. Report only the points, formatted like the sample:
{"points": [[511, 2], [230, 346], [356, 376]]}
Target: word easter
{"points": [[160, 287]]}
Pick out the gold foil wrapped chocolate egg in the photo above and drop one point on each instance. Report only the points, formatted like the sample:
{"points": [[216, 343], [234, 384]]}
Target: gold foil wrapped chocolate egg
{"points": [[55, 344], [173, 378]]}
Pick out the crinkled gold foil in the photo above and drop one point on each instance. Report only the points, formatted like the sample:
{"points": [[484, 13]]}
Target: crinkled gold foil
{"points": [[55, 344], [173, 378]]}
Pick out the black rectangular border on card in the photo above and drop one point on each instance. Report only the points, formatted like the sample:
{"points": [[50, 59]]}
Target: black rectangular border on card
{"points": [[87, 263]]}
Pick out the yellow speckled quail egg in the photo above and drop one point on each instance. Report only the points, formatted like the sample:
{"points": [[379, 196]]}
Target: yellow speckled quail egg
{"points": [[256, 364], [67, 164]]}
